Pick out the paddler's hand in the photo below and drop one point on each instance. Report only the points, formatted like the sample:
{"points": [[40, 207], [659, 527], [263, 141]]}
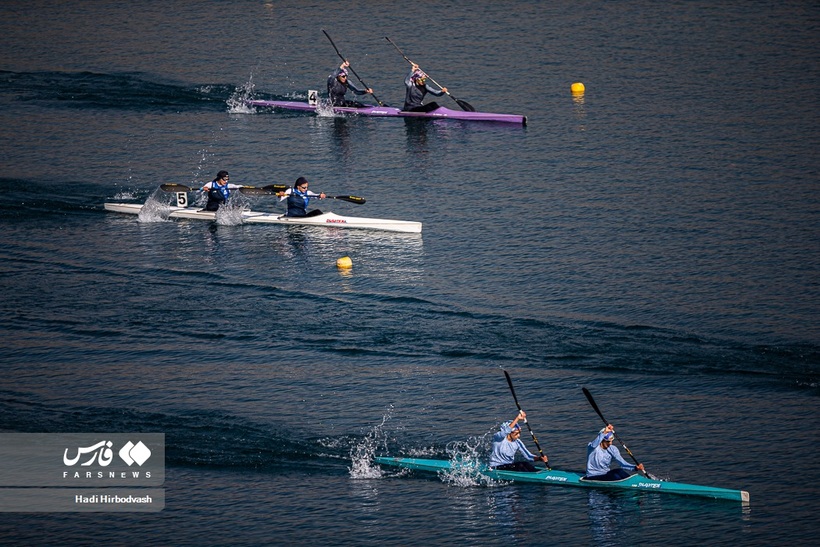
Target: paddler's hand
{"points": [[544, 459], [369, 90], [639, 467], [344, 65], [322, 196], [444, 89]]}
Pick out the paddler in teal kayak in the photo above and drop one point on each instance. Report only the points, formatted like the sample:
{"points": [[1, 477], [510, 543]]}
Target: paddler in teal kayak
{"points": [[338, 84], [506, 444], [218, 191], [417, 88], [298, 198], [601, 452]]}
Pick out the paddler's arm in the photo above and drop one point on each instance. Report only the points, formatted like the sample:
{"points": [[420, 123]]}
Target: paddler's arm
{"points": [[625, 464], [617, 453], [521, 416], [352, 87]]}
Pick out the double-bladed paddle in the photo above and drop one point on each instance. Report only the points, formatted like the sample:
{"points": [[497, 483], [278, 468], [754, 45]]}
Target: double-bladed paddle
{"points": [[351, 68], [251, 190], [465, 106], [275, 189], [598, 411], [269, 190], [526, 422]]}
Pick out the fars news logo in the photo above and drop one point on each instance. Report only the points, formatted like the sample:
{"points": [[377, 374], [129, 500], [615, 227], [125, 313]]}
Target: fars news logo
{"points": [[130, 453], [102, 454]]}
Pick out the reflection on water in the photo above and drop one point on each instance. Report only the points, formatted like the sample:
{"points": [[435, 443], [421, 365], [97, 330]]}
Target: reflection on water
{"points": [[579, 110], [340, 137], [416, 132], [613, 514], [605, 516], [504, 506]]}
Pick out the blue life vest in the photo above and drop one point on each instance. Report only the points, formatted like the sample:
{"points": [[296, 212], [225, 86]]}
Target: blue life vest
{"points": [[297, 203], [216, 196]]}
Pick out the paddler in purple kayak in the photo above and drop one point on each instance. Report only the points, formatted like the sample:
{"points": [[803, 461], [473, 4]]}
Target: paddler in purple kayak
{"points": [[337, 86], [417, 88]]}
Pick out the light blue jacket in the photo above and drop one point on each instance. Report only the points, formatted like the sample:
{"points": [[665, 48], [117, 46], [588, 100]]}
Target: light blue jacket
{"points": [[504, 451], [598, 459]]}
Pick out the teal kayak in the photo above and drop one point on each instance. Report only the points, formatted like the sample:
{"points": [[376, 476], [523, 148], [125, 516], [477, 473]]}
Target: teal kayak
{"points": [[568, 478]]}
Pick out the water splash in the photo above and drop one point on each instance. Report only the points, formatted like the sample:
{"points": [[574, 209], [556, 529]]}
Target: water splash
{"points": [[154, 210], [325, 110], [230, 213], [238, 101], [125, 194], [423, 452], [466, 459], [363, 453]]}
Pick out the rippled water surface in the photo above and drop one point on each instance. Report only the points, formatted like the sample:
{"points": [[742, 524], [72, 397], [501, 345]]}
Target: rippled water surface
{"points": [[654, 239]]}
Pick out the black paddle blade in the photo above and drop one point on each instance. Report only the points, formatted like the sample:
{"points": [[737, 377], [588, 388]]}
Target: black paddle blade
{"points": [[512, 389], [465, 106], [276, 187], [588, 395], [175, 188], [352, 199]]}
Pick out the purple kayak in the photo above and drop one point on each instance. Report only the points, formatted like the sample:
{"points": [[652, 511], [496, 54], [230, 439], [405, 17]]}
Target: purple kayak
{"points": [[392, 112]]}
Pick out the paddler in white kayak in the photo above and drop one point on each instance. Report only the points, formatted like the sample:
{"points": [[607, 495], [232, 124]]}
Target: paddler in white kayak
{"points": [[298, 198], [219, 190], [601, 452], [506, 444], [338, 84], [417, 88]]}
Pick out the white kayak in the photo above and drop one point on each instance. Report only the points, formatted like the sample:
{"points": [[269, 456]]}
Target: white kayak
{"points": [[256, 217]]}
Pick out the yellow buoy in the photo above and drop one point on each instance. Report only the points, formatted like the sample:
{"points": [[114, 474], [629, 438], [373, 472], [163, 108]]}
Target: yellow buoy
{"points": [[344, 262], [577, 87]]}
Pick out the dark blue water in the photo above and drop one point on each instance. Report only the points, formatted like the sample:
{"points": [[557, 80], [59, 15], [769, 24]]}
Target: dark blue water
{"points": [[655, 240]]}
